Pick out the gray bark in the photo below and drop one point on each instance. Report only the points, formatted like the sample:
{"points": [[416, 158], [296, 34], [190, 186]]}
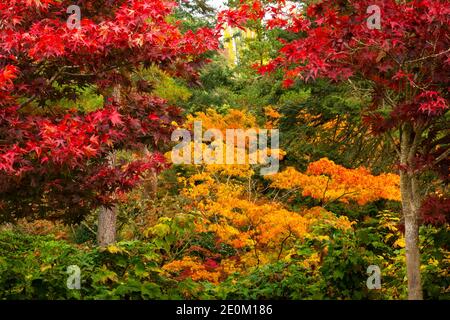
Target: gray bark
{"points": [[106, 233], [411, 199]]}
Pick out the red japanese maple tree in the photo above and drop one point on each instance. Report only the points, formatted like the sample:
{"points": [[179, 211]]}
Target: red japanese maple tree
{"points": [[404, 66], [57, 162]]}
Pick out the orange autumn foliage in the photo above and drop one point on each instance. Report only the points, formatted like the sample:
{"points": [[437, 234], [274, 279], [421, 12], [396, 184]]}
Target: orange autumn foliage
{"points": [[260, 229], [272, 116], [327, 181]]}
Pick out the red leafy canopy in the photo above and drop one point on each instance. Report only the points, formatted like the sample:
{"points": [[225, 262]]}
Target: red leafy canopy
{"points": [[334, 41], [58, 160]]}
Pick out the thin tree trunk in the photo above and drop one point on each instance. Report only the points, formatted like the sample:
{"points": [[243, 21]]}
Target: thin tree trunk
{"points": [[410, 203], [106, 230], [106, 233]]}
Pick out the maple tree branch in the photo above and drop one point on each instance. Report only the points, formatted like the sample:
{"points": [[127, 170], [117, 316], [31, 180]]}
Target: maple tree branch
{"points": [[428, 57], [341, 196], [27, 101], [79, 74], [50, 81], [439, 141], [282, 244], [389, 100], [442, 157], [285, 194]]}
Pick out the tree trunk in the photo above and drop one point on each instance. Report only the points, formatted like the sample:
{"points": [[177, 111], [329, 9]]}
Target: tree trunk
{"points": [[106, 233], [411, 199], [106, 229]]}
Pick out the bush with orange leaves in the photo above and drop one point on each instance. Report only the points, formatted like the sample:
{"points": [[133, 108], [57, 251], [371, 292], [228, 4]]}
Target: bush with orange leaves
{"points": [[228, 203], [326, 181], [261, 230]]}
